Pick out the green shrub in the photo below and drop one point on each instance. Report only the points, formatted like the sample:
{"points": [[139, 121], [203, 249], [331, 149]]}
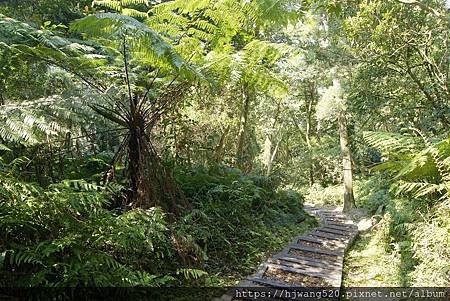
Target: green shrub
{"points": [[236, 217], [331, 195], [63, 236], [413, 204], [372, 193], [67, 234], [432, 248]]}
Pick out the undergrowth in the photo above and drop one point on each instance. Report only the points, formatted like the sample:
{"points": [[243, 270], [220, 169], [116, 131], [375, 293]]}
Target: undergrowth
{"points": [[72, 234], [407, 245], [238, 218]]}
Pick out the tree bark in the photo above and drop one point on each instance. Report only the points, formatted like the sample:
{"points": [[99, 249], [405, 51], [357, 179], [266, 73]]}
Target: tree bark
{"points": [[136, 159], [270, 152], [219, 149], [349, 200], [243, 127], [309, 112], [272, 158]]}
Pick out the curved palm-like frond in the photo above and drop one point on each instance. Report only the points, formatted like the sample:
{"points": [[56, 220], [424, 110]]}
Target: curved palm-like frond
{"points": [[125, 7], [144, 44], [421, 167], [35, 121]]}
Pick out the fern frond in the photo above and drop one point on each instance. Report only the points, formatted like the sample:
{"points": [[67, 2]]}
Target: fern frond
{"points": [[191, 273], [35, 121], [389, 143], [141, 39], [418, 189], [421, 166]]}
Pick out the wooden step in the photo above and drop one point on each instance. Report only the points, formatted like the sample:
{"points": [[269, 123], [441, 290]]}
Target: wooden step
{"points": [[314, 250], [329, 236], [319, 258], [329, 277], [320, 244], [348, 225], [268, 282], [309, 261], [334, 231], [332, 274], [340, 228]]}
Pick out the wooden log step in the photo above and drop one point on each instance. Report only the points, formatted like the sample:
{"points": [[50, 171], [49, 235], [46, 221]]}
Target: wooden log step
{"points": [[314, 250], [307, 238], [340, 228], [332, 214], [329, 277], [334, 231], [309, 261], [330, 273], [268, 282], [323, 240], [348, 225], [314, 255], [335, 218], [328, 235], [324, 245], [294, 277]]}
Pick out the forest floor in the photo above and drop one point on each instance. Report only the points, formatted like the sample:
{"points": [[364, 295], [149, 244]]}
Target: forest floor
{"points": [[370, 262]]}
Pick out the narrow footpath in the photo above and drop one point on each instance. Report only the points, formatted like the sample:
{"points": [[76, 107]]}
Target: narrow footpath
{"points": [[314, 259]]}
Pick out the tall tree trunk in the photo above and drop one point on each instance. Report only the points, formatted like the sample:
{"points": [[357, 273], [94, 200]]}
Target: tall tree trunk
{"points": [[243, 127], [270, 151], [267, 154], [271, 156], [349, 200], [309, 112], [219, 149]]}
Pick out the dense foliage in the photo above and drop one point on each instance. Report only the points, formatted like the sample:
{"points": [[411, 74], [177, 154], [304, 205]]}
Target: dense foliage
{"points": [[71, 234], [168, 143]]}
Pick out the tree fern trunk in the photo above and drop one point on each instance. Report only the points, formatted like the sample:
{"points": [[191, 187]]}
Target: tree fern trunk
{"points": [[151, 183], [139, 192]]}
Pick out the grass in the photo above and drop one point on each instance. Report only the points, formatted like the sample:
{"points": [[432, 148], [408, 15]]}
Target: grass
{"points": [[368, 264]]}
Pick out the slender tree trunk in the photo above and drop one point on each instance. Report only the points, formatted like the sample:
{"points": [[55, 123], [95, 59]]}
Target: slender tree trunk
{"points": [[219, 149], [243, 127], [267, 153], [309, 112], [349, 200], [272, 158], [270, 151]]}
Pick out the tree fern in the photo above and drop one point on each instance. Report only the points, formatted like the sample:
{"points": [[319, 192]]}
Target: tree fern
{"points": [[142, 41], [420, 166], [124, 6]]}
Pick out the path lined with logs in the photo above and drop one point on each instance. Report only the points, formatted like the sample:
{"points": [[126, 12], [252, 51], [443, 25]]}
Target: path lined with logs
{"points": [[314, 259]]}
